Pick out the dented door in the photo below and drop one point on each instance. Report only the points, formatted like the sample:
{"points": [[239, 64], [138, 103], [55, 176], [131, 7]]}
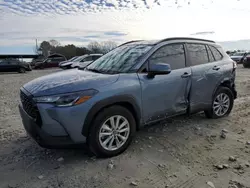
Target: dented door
{"points": [[166, 95]]}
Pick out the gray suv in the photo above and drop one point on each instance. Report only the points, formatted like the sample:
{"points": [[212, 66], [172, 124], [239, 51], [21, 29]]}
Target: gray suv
{"points": [[137, 83]]}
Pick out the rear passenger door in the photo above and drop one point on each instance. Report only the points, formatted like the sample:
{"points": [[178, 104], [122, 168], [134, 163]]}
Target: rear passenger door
{"points": [[205, 75]]}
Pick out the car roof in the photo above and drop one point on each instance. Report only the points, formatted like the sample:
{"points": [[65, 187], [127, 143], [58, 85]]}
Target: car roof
{"points": [[86, 55], [95, 54], [155, 42]]}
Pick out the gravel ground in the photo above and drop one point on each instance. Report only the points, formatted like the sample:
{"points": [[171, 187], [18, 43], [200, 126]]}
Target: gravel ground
{"points": [[183, 152]]}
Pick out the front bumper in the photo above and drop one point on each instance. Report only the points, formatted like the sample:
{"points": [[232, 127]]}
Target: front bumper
{"points": [[40, 136]]}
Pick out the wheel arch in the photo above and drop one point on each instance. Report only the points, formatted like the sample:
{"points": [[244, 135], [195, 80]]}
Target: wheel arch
{"points": [[226, 83], [126, 101]]}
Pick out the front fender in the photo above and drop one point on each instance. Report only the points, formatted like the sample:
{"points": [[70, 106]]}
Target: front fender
{"points": [[119, 99]]}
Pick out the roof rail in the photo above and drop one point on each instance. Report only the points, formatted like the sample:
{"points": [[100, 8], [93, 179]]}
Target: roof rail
{"points": [[129, 42], [185, 38]]}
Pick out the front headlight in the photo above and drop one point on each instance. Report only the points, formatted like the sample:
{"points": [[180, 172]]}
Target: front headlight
{"points": [[68, 99]]}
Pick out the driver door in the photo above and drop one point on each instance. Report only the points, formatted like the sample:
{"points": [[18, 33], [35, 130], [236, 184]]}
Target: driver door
{"points": [[166, 95]]}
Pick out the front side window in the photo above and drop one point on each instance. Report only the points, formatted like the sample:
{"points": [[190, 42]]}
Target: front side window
{"points": [[4, 62], [216, 53], [172, 54], [121, 59], [198, 54]]}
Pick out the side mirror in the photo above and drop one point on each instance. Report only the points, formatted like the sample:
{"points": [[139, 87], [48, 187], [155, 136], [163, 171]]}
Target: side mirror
{"points": [[158, 69]]}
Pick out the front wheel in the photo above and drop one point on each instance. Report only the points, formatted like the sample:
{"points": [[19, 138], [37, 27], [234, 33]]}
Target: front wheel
{"points": [[222, 104], [112, 131]]}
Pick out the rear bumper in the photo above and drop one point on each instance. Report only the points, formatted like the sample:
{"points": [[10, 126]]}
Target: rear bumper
{"points": [[40, 136]]}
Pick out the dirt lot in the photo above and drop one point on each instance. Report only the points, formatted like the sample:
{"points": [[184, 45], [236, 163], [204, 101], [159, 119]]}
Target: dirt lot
{"points": [[181, 152]]}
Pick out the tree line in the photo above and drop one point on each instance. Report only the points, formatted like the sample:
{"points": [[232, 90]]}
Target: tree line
{"points": [[47, 48]]}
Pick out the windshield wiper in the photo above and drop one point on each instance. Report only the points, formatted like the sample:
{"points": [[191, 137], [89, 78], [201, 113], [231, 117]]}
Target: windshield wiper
{"points": [[103, 71], [94, 70]]}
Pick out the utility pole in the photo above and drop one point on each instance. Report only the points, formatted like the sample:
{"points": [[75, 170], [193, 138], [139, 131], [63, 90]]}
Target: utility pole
{"points": [[36, 47]]}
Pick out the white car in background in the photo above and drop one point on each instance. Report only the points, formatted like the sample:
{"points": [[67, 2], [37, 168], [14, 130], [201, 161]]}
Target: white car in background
{"points": [[72, 59], [80, 61]]}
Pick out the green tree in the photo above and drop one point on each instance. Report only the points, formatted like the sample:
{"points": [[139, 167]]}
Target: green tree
{"points": [[45, 47]]}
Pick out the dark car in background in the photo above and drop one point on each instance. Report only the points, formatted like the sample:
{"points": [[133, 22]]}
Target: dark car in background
{"points": [[238, 57], [51, 61], [14, 65], [246, 61]]}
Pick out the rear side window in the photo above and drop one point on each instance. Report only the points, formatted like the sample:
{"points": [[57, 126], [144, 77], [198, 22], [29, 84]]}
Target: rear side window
{"points": [[172, 54], [216, 53], [198, 54]]}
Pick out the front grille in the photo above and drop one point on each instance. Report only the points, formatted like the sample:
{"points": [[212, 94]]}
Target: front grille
{"points": [[28, 105]]}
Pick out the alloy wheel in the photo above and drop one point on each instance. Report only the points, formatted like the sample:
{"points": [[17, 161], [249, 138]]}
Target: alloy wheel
{"points": [[221, 104], [114, 133]]}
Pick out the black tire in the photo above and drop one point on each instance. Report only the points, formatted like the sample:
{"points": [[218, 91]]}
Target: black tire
{"points": [[22, 70], [210, 113], [93, 138], [244, 65]]}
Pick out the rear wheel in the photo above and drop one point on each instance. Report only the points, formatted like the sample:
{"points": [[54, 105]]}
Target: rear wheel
{"points": [[222, 104], [22, 70], [112, 131]]}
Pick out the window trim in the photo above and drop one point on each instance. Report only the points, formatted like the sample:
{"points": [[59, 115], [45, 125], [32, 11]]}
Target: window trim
{"points": [[208, 49], [191, 64], [146, 62], [217, 51]]}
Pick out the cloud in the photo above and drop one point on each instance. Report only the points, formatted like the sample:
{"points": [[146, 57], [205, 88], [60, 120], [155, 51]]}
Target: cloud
{"points": [[204, 33], [71, 6], [82, 21], [114, 33]]}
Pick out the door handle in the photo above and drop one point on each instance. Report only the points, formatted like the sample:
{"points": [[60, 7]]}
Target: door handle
{"points": [[216, 68], [186, 74]]}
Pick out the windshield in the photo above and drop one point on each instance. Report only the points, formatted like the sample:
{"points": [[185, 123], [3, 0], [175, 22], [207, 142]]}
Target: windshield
{"points": [[79, 58], [73, 58], [121, 59]]}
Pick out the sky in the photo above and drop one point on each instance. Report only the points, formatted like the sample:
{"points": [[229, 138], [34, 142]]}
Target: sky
{"points": [[82, 21]]}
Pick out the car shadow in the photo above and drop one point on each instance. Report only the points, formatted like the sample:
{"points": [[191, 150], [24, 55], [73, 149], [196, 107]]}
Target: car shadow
{"points": [[11, 73], [28, 151]]}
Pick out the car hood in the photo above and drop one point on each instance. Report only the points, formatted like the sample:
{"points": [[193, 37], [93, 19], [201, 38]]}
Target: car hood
{"points": [[62, 62], [68, 81], [82, 63], [67, 63]]}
